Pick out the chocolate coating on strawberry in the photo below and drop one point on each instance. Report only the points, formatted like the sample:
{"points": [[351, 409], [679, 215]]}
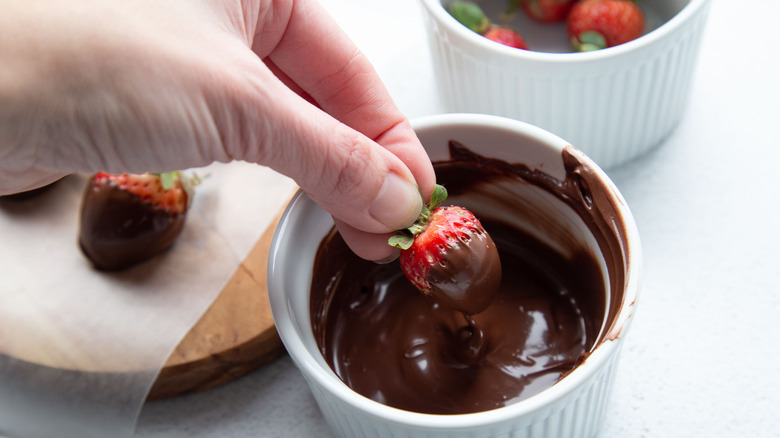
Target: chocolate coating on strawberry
{"points": [[125, 223], [467, 272], [448, 255]]}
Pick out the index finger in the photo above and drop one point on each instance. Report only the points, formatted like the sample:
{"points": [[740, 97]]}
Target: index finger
{"points": [[316, 54]]}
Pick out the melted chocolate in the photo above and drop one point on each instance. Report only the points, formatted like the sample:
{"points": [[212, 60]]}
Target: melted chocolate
{"points": [[118, 230], [390, 343]]}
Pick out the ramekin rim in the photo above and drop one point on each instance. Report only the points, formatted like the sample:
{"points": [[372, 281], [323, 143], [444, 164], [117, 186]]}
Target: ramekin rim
{"points": [[437, 10]]}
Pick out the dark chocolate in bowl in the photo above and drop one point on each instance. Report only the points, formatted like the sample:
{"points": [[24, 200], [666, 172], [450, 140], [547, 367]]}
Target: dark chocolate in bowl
{"points": [[563, 249]]}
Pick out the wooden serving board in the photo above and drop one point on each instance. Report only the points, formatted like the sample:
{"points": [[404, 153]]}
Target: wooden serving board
{"points": [[233, 337]]}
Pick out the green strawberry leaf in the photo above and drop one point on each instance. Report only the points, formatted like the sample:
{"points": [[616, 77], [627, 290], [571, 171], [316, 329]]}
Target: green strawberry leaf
{"points": [[401, 241], [404, 239], [437, 197], [417, 227], [510, 11], [188, 182], [589, 41], [470, 15], [168, 179]]}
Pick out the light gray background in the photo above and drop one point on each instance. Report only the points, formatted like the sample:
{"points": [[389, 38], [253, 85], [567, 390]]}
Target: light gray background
{"points": [[701, 357]]}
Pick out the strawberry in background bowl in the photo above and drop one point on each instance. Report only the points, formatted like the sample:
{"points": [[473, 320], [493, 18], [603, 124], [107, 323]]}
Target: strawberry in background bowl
{"points": [[598, 24], [615, 102]]}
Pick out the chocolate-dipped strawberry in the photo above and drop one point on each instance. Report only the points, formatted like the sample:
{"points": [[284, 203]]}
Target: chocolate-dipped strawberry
{"points": [[129, 218], [448, 255]]}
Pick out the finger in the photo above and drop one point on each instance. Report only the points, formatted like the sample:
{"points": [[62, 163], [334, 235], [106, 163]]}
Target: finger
{"points": [[282, 76], [13, 181], [411, 153], [340, 79], [367, 245], [355, 179]]}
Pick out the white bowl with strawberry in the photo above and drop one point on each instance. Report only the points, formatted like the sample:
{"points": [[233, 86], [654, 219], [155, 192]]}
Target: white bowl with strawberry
{"points": [[529, 183], [610, 76]]}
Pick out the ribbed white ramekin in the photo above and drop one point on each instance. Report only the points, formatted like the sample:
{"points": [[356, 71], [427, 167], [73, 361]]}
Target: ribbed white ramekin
{"points": [[613, 104], [572, 408]]}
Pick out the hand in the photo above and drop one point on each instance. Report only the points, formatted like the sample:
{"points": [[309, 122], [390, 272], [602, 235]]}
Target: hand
{"points": [[154, 85]]}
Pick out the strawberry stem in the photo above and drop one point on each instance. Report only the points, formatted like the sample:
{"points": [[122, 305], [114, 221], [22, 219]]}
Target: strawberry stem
{"points": [[510, 11], [403, 239]]}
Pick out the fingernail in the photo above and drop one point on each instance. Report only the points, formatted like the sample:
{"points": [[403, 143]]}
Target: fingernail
{"points": [[389, 259], [398, 203]]}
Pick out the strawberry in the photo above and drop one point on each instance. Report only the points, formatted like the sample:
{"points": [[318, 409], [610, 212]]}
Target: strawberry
{"points": [[128, 218], [506, 36], [597, 24], [470, 15], [544, 11], [448, 255]]}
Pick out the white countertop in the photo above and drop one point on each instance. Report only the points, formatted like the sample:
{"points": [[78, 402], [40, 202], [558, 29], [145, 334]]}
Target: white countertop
{"points": [[701, 357]]}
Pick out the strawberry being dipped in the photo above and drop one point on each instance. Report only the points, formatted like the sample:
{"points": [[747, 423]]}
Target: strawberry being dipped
{"points": [[598, 24], [129, 218], [448, 255]]}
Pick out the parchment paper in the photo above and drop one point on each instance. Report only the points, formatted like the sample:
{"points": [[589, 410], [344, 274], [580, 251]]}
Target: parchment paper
{"points": [[80, 348]]}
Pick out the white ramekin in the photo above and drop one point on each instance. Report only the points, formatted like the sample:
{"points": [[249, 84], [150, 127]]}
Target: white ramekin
{"points": [[613, 104], [573, 407]]}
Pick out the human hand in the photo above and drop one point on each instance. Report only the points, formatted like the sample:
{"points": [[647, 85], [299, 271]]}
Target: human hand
{"points": [[155, 85]]}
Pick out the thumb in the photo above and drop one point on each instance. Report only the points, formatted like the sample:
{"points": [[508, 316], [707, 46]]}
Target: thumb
{"points": [[367, 188], [358, 181]]}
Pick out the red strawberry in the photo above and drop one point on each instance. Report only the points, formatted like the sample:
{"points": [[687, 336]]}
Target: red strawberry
{"points": [[597, 24], [547, 11], [128, 218], [448, 255], [470, 15], [506, 36]]}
